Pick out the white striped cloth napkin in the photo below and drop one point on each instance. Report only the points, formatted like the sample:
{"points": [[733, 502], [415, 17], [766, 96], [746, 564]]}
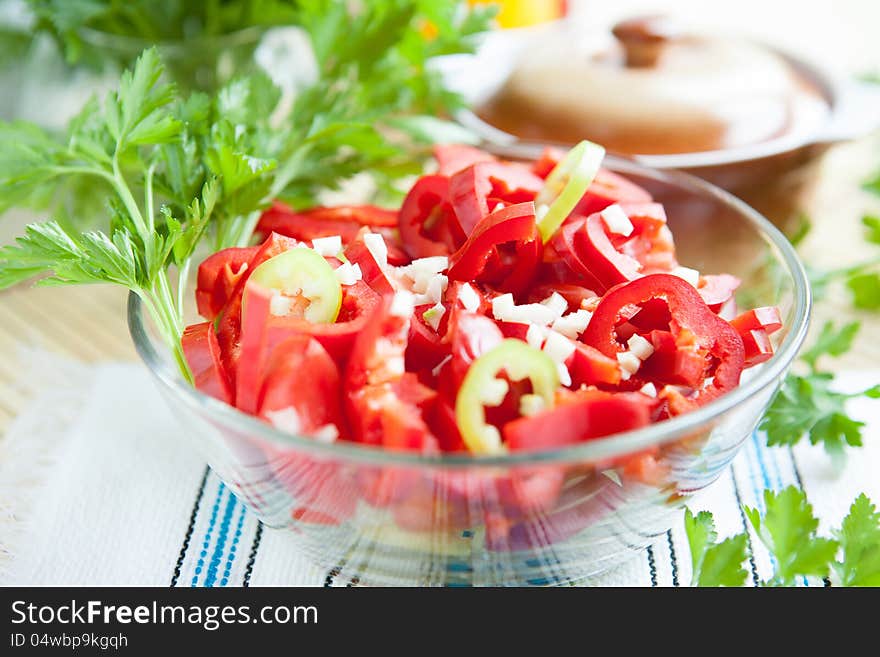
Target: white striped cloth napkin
{"points": [[98, 487]]}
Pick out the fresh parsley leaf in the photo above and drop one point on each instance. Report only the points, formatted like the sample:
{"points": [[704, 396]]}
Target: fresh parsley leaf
{"points": [[831, 341], [865, 289], [873, 184], [788, 529], [859, 537], [872, 228], [806, 406], [714, 564]]}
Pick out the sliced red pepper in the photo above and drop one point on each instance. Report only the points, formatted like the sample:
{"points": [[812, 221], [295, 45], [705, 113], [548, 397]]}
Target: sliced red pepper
{"points": [[547, 161], [651, 242], [689, 312], [383, 403], [302, 376], [767, 318], [472, 189], [574, 295], [344, 220], [511, 271], [452, 158], [717, 289], [608, 188], [373, 275], [229, 327], [590, 366], [471, 336], [218, 276], [758, 346], [579, 417], [202, 352], [425, 347], [586, 247], [674, 361], [428, 226]]}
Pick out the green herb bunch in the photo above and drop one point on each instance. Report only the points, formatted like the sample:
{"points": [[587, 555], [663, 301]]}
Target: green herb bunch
{"points": [[174, 173], [789, 530]]}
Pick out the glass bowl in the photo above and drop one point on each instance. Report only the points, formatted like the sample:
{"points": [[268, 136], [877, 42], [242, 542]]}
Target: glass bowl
{"points": [[551, 517]]}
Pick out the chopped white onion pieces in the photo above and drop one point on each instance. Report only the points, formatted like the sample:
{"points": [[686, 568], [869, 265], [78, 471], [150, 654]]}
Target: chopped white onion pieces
{"points": [[327, 246], [375, 244], [531, 405], [326, 434], [649, 389], [422, 270], [616, 221], [403, 304], [557, 303], [564, 375], [692, 276], [535, 336], [558, 347], [494, 392], [469, 298], [286, 419], [572, 324], [640, 348], [434, 314], [629, 364], [505, 310], [348, 274]]}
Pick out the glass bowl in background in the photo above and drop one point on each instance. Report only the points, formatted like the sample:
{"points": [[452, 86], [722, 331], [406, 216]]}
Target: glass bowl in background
{"points": [[550, 517]]}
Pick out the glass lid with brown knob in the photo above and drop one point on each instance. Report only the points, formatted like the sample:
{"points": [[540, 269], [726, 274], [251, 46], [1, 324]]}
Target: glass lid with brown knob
{"points": [[651, 87]]}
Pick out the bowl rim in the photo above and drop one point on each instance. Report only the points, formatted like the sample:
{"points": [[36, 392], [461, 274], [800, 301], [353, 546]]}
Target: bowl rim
{"points": [[593, 450]]}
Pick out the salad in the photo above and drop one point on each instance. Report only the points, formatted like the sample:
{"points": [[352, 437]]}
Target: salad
{"points": [[506, 306]]}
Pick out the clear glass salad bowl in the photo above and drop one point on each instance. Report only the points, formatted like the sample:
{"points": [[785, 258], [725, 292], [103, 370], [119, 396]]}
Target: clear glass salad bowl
{"points": [[400, 518]]}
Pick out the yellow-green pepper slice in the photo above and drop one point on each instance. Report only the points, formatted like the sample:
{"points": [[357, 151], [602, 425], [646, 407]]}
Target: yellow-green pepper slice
{"points": [[565, 186], [482, 387], [306, 284]]}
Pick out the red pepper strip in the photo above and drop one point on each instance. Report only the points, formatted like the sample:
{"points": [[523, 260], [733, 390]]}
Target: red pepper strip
{"points": [[573, 294], [428, 226], [608, 188], [202, 352], [717, 290], [515, 223], [470, 337], [229, 327], [373, 275], [758, 346], [651, 243], [585, 415], [471, 189], [424, 347], [548, 160], [452, 158], [766, 318], [302, 376], [674, 363], [218, 276], [591, 367], [689, 312], [384, 405], [586, 248], [344, 221]]}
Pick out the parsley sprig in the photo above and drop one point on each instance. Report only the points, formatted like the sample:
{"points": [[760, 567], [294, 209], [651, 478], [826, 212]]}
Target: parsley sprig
{"points": [[174, 173], [789, 530], [806, 404]]}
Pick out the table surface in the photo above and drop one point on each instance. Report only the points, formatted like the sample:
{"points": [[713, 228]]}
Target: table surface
{"points": [[88, 323]]}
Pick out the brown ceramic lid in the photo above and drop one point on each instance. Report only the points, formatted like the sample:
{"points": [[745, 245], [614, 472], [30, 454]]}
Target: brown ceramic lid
{"points": [[654, 88]]}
